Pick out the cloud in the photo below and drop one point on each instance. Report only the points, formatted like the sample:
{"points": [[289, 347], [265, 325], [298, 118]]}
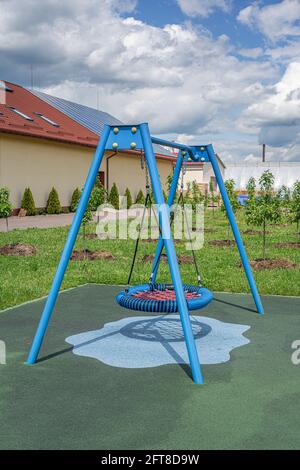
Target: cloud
{"points": [[178, 77], [275, 21], [277, 116], [203, 8]]}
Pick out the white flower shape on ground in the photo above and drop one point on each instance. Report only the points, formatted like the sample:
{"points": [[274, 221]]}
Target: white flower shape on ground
{"points": [[151, 341]]}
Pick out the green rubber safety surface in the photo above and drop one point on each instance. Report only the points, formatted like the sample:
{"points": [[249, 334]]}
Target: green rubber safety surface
{"points": [[71, 402]]}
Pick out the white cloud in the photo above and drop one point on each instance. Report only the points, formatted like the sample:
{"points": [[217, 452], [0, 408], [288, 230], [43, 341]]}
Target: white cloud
{"points": [[251, 53], [275, 21], [203, 8], [178, 77], [277, 116]]}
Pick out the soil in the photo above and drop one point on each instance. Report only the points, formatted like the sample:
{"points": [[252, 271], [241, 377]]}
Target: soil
{"points": [[206, 230], [155, 240], [83, 255], [18, 249], [288, 245], [185, 259], [92, 236], [222, 242], [254, 232], [268, 263]]}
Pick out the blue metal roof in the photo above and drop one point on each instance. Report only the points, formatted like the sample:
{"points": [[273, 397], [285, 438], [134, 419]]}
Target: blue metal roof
{"points": [[90, 118]]}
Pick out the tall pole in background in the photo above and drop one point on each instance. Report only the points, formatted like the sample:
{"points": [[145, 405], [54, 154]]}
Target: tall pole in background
{"points": [[263, 152]]}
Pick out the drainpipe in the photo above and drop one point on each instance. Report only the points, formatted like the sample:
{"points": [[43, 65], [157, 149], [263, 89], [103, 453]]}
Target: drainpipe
{"points": [[107, 170]]}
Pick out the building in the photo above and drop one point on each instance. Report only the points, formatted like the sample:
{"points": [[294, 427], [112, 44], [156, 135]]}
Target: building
{"points": [[203, 174], [47, 141], [285, 173]]}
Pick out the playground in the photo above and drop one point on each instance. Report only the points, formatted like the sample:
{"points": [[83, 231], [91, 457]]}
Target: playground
{"points": [[114, 369], [68, 401]]}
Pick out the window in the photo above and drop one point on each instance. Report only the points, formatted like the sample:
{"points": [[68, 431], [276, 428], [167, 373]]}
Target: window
{"points": [[24, 116], [47, 120], [4, 87]]}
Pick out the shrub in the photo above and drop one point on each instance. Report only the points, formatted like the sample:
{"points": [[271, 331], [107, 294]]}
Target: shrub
{"points": [[5, 204], [98, 196], [140, 198], [75, 199], [266, 208], [88, 217], [196, 195], [114, 196], [129, 198], [284, 197], [295, 205], [233, 198], [53, 203], [28, 202]]}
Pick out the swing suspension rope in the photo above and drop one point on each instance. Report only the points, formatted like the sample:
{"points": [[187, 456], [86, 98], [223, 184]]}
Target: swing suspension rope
{"points": [[173, 214], [147, 200], [161, 298]]}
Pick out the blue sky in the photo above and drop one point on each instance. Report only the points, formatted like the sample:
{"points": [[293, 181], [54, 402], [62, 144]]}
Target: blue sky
{"points": [[162, 12], [224, 71]]}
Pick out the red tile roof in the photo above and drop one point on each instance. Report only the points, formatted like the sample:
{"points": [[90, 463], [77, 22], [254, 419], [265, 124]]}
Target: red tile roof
{"points": [[69, 131]]}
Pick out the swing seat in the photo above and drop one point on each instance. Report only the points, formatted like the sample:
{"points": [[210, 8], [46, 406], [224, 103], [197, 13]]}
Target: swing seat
{"points": [[161, 298]]}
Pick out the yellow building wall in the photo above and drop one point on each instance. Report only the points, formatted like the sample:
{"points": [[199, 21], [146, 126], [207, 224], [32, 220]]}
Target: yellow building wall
{"points": [[41, 164]]}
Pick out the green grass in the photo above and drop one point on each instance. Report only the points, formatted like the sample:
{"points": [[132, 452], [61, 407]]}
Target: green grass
{"points": [[27, 278]]}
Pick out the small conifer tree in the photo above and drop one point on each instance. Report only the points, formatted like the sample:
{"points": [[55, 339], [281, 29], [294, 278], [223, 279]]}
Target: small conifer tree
{"points": [[114, 196], [75, 199], [53, 203], [128, 198], [28, 202]]}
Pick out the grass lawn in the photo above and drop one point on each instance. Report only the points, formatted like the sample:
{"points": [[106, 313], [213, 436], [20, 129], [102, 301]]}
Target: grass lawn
{"points": [[27, 278]]}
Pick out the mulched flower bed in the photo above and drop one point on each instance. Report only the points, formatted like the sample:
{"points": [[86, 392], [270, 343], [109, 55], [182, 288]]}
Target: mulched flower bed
{"points": [[155, 240], [18, 249], [92, 236], [254, 232], [182, 259], [288, 245], [268, 263], [206, 230], [84, 255], [222, 242]]}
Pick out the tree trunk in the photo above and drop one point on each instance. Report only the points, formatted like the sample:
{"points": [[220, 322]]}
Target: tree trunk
{"points": [[264, 239], [6, 223], [228, 229]]}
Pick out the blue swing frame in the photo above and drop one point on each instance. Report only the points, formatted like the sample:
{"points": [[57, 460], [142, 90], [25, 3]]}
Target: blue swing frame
{"points": [[136, 137]]}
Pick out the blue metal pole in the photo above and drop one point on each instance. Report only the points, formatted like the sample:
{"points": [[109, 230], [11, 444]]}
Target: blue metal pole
{"points": [[235, 229], [171, 198], [68, 248], [164, 218], [175, 145]]}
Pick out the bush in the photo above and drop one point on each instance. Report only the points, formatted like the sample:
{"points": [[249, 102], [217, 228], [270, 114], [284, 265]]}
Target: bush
{"points": [[75, 199], [140, 198], [114, 196], [128, 197], [266, 208], [98, 196], [5, 205], [295, 205], [53, 203], [87, 218], [28, 202]]}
